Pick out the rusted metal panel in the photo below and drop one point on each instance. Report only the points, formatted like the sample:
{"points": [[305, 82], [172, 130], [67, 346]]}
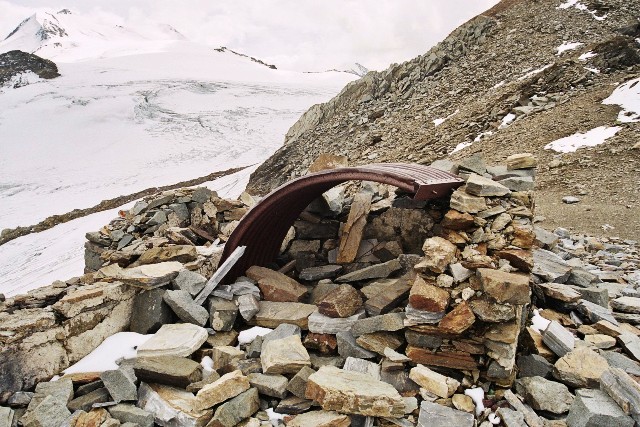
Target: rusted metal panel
{"points": [[264, 227]]}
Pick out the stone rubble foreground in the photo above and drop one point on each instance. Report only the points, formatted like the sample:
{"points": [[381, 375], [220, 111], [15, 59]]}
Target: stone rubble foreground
{"points": [[384, 311]]}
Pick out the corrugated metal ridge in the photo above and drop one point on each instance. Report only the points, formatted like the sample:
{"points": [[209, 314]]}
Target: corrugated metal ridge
{"points": [[264, 227]]}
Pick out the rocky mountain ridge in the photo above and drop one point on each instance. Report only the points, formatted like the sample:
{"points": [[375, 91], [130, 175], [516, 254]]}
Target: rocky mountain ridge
{"points": [[517, 78], [14, 64]]}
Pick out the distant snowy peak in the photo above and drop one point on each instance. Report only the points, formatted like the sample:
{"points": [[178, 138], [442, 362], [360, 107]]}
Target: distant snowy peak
{"points": [[358, 70], [69, 36]]}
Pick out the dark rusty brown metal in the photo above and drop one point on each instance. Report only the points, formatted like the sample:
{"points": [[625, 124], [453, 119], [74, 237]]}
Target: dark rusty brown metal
{"points": [[265, 226]]}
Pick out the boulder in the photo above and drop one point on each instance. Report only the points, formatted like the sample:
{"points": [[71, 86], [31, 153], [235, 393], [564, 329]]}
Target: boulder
{"points": [[276, 286]]}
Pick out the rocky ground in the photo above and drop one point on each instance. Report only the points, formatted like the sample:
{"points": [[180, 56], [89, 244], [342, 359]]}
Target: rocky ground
{"points": [[499, 85], [16, 62], [380, 311]]}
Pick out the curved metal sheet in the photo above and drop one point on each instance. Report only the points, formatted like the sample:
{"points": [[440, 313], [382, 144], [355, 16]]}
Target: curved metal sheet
{"points": [[265, 226]]}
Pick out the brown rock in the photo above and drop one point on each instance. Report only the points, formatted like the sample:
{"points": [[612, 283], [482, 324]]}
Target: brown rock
{"points": [[560, 292], [320, 419], [523, 236], [438, 384], [328, 161], [324, 343], [344, 301], [284, 356], [180, 253], [580, 368], [439, 253], [272, 314], [276, 286], [226, 387], [458, 320], [354, 393], [521, 161], [427, 296], [388, 295], [354, 228], [455, 220], [378, 341], [505, 287], [445, 359], [520, 258], [489, 311]]}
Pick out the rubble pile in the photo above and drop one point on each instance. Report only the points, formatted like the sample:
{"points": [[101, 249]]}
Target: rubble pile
{"points": [[379, 311]]}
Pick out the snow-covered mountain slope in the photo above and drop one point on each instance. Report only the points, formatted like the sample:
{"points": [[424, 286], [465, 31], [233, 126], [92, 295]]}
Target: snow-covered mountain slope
{"points": [[118, 121]]}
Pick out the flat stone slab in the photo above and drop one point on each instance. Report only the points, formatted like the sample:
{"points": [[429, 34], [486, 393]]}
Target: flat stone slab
{"points": [[186, 308], [354, 393], [320, 419], [550, 266], [272, 314], [433, 414], [376, 271], [180, 339], [276, 286], [596, 408], [144, 276], [169, 370], [321, 324]]}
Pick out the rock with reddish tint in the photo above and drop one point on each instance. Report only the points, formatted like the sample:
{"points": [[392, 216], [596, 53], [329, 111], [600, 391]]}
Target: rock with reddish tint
{"points": [[427, 296], [344, 301], [458, 320], [276, 286], [522, 259], [438, 254], [455, 220], [505, 287], [354, 393], [353, 228], [323, 343]]}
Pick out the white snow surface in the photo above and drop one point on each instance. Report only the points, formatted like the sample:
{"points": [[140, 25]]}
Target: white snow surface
{"points": [[571, 143], [568, 46], [122, 345], [587, 55], [130, 111], [539, 323], [476, 394], [627, 96], [248, 335]]}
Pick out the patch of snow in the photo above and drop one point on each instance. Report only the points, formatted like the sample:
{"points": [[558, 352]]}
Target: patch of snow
{"points": [[627, 96], [482, 135], [567, 46], [207, 365], [477, 395], [568, 4], [580, 6], [539, 323], [593, 70], [123, 345], [587, 55], [248, 335], [461, 146], [591, 138], [274, 416], [507, 120], [493, 419], [497, 85], [438, 122], [534, 72]]}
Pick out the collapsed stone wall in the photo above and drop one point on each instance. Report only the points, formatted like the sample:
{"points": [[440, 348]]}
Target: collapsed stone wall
{"points": [[49, 328]]}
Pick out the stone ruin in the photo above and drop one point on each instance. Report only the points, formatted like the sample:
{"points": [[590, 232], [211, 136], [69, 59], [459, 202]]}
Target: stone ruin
{"points": [[380, 310]]}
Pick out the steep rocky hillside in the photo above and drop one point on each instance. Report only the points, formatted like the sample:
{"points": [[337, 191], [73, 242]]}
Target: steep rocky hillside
{"points": [[518, 77], [15, 65]]}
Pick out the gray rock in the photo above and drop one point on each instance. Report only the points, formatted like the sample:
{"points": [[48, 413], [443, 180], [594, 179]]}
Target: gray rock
{"points": [[596, 295], [202, 195], [190, 281], [518, 183], [570, 200], [150, 312], [126, 413], [138, 207], [321, 272], [481, 186], [321, 324], [545, 239], [433, 414], [230, 413], [186, 308], [222, 313], [558, 338], [347, 347], [376, 271], [387, 322], [545, 395], [533, 365], [550, 266], [269, 385], [595, 312], [474, 163], [282, 331], [6, 417], [158, 218], [248, 306], [445, 165], [20, 399], [86, 401], [511, 418], [626, 304], [169, 370], [61, 390], [594, 408], [631, 343], [51, 411], [617, 360], [121, 384], [464, 202], [581, 277], [459, 273], [298, 384], [623, 390]]}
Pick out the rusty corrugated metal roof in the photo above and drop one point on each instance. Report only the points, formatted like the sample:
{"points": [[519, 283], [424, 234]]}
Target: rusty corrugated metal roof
{"points": [[265, 226]]}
